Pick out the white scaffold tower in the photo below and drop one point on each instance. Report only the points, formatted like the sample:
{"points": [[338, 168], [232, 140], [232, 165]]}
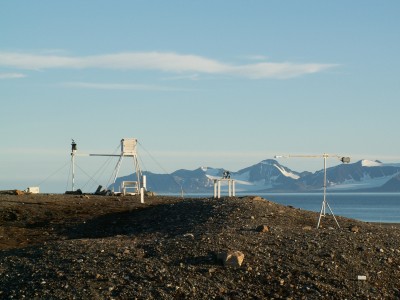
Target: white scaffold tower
{"points": [[128, 149]]}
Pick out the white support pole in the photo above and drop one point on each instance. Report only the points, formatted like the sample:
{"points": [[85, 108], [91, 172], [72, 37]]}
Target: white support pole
{"points": [[215, 188], [142, 195], [322, 212], [229, 188], [324, 202], [144, 182], [73, 170], [73, 152], [219, 189], [233, 188]]}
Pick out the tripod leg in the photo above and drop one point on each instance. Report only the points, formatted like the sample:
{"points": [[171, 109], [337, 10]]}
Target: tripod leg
{"points": [[322, 212], [337, 223], [116, 170]]}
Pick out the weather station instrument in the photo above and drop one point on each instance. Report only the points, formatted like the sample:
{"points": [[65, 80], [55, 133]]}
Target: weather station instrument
{"points": [[128, 149], [325, 203]]}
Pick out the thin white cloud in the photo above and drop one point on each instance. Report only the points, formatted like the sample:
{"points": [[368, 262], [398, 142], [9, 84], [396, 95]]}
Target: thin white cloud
{"points": [[118, 86], [29, 151], [161, 61], [185, 77], [213, 154], [256, 57], [11, 75], [278, 70]]}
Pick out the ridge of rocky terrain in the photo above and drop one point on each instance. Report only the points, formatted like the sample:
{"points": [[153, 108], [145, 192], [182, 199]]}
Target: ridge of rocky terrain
{"points": [[108, 247]]}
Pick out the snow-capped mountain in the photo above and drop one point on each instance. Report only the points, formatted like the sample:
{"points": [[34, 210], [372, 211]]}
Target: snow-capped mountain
{"points": [[364, 174], [267, 174], [270, 176]]}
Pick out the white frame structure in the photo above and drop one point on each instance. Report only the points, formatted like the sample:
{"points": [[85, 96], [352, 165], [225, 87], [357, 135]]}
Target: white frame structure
{"points": [[128, 149], [217, 187]]}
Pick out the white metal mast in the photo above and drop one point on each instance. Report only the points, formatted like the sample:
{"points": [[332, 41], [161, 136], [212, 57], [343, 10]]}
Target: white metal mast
{"points": [[73, 151], [325, 203]]}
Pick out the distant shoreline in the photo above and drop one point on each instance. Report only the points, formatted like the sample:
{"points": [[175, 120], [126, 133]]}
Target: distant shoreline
{"points": [[375, 208], [387, 225]]}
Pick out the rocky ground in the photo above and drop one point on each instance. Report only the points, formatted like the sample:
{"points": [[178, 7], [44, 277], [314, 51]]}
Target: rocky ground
{"points": [[109, 247]]}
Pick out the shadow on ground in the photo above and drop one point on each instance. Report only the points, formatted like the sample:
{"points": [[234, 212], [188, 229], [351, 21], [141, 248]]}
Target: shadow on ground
{"points": [[172, 219]]}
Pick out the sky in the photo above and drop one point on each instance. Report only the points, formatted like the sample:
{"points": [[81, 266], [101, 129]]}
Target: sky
{"points": [[223, 84]]}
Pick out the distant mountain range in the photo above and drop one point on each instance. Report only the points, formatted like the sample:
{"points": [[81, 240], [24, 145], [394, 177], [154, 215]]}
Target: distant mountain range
{"points": [[270, 176]]}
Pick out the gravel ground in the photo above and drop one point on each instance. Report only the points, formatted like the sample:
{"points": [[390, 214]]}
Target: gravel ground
{"points": [[94, 247]]}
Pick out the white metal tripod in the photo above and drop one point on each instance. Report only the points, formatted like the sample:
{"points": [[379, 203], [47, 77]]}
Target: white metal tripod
{"points": [[325, 203]]}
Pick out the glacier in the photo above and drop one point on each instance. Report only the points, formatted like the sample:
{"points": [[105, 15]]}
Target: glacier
{"points": [[270, 176]]}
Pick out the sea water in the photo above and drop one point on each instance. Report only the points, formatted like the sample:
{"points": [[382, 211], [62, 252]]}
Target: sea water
{"points": [[368, 207]]}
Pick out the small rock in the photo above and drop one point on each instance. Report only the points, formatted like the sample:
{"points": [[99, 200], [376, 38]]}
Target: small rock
{"points": [[307, 228], [231, 258], [189, 235], [361, 248], [354, 228], [262, 228], [19, 193]]}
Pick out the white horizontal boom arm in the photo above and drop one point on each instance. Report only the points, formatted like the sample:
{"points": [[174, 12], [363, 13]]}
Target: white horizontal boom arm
{"points": [[115, 155], [308, 156]]}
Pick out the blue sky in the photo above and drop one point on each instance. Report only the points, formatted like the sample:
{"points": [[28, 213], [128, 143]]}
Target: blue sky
{"points": [[205, 83]]}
